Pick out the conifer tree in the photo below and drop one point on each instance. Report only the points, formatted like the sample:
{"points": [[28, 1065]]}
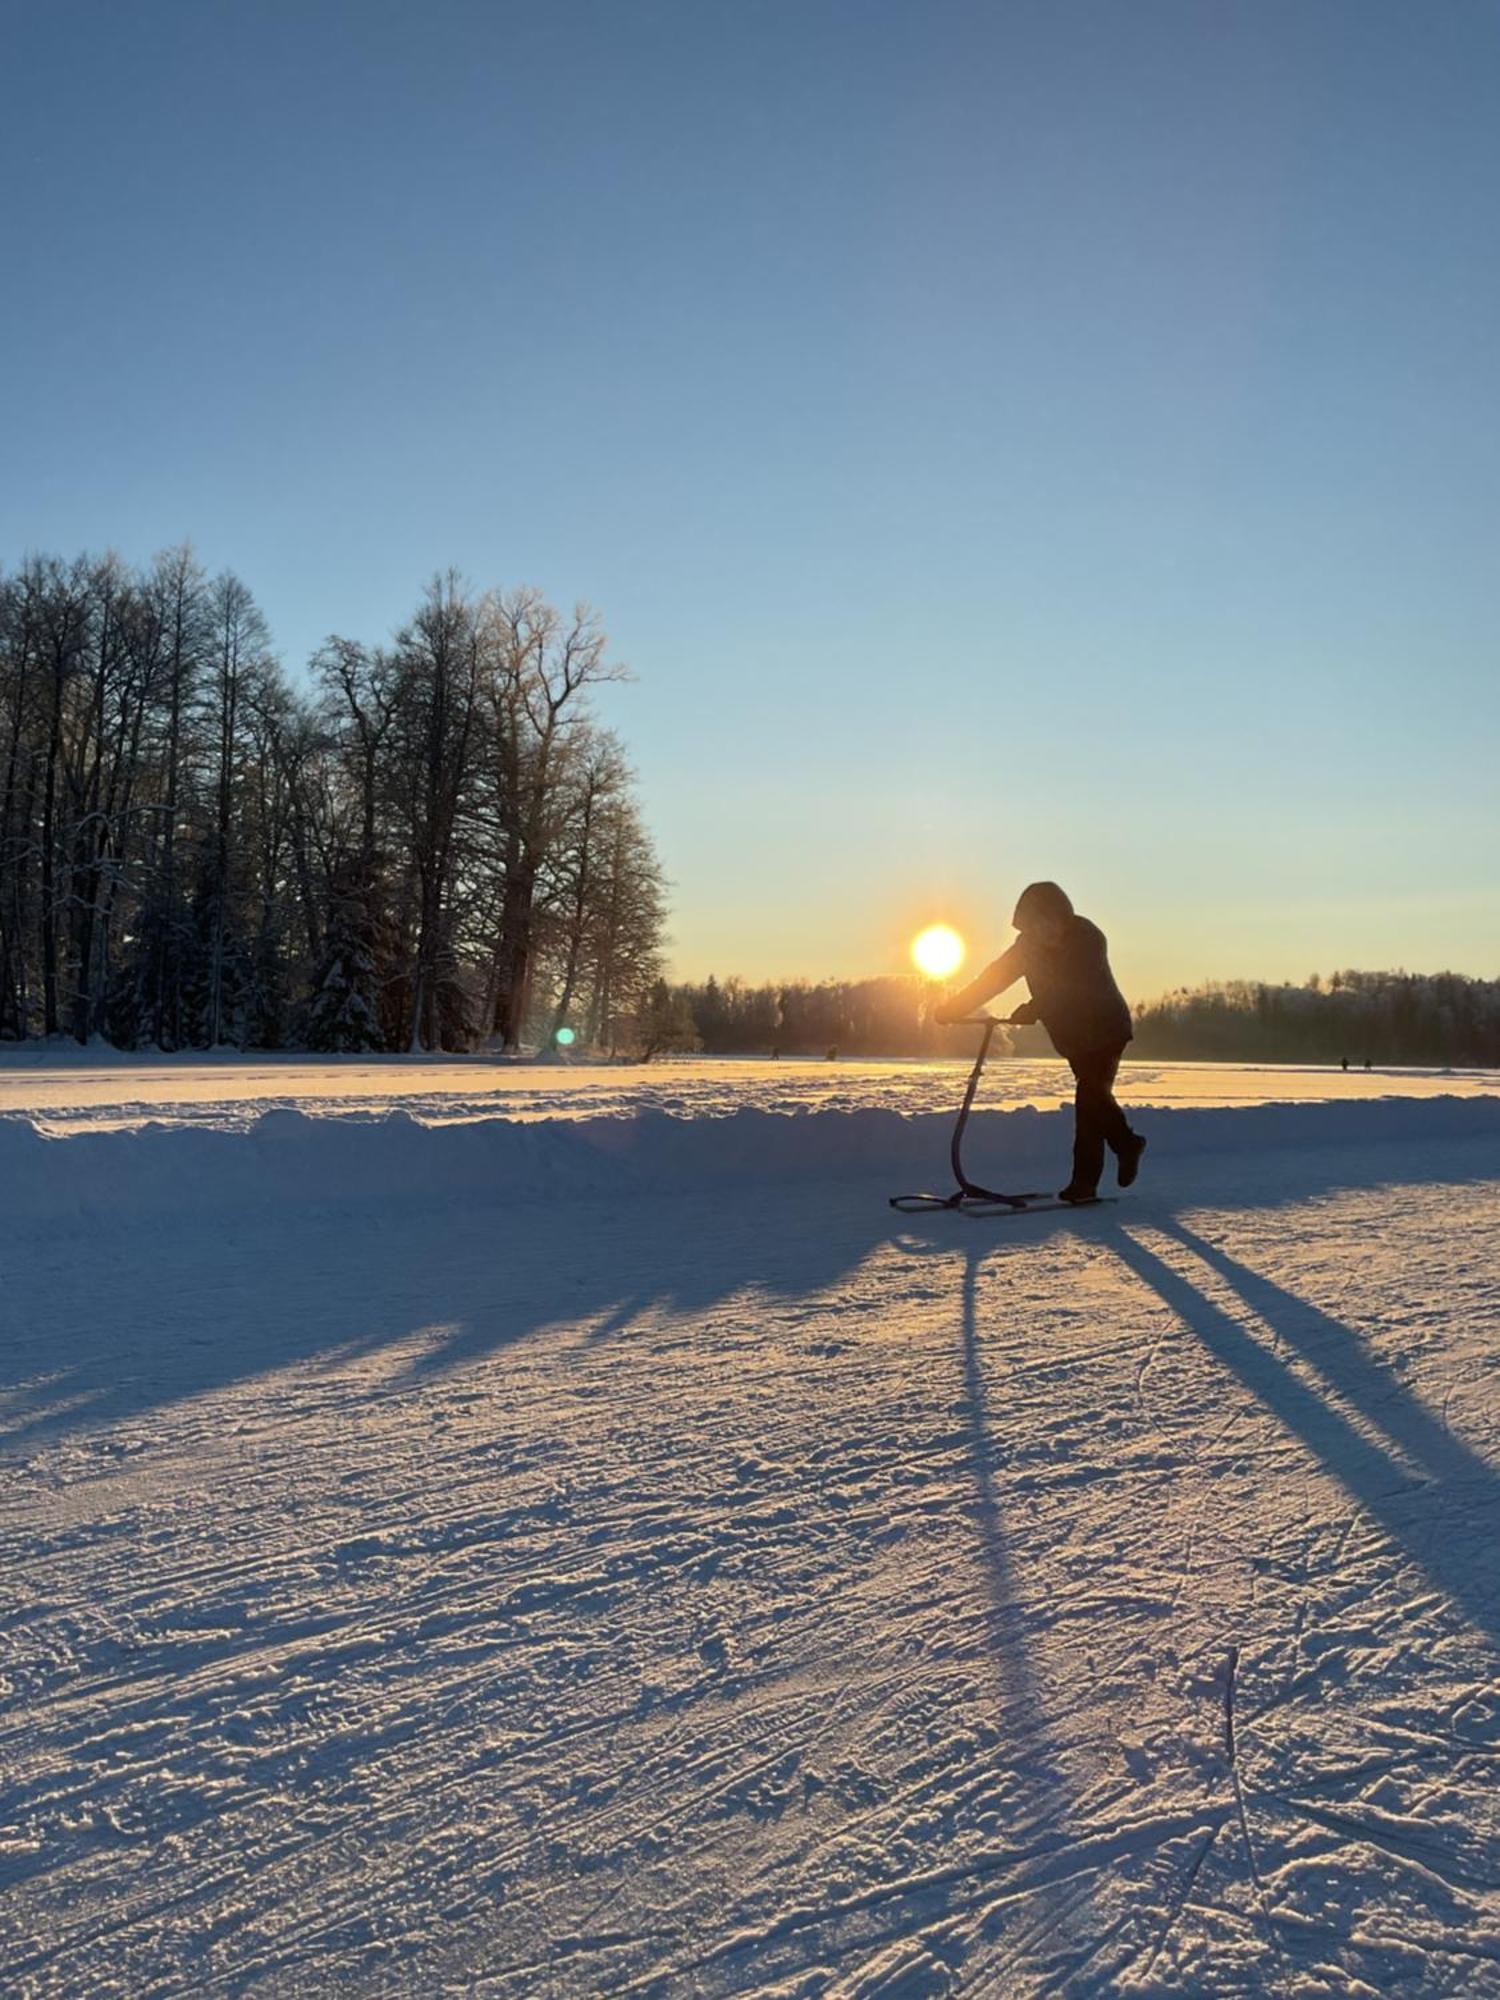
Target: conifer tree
{"points": [[342, 1014]]}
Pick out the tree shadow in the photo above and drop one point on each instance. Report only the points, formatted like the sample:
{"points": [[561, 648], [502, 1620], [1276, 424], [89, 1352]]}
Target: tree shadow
{"points": [[144, 1319], [411, 1293], [101, 1321]]}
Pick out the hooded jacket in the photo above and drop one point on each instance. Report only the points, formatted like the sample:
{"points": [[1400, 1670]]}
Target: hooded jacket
{"points": [[1076, 998]]}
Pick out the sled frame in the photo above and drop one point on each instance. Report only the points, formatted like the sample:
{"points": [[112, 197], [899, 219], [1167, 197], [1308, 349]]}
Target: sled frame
{"points": [[969, 1197]]}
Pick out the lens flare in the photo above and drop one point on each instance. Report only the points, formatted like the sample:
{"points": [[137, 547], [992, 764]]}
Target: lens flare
{"points": [[938, 951], [565, 1038]]}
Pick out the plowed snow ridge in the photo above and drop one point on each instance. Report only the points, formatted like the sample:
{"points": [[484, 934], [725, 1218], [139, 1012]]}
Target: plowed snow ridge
{"points": [[287, 1157]]}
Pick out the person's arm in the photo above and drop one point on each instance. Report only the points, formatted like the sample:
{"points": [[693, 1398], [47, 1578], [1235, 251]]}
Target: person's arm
{"points": [[1004, 971]]}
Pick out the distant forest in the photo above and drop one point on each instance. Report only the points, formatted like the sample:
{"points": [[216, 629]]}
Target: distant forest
{"points": [[1388, 1017], [435, 844]]}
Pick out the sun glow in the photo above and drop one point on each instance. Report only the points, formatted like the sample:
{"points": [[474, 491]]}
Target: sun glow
{"points": [[938, 951]]}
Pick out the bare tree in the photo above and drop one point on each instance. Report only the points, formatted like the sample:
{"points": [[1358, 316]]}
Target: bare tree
{"points": [[540, 666], [443, 839], [238, 670], [437, 695]]}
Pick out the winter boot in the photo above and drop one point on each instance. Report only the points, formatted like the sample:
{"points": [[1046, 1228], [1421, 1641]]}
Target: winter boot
{"points": [[1129, 1164]]}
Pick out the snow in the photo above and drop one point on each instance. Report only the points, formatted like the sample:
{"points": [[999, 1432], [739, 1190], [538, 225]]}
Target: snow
{"points": [[605, 1549], [61, 1088]]}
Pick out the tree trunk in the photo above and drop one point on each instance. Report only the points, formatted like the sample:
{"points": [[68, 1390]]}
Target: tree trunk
{"points": [[49, 873], [513, 955]]}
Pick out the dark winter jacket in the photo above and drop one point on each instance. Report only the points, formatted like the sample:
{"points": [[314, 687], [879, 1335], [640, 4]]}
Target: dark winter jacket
{"points": [[1076, 998]]}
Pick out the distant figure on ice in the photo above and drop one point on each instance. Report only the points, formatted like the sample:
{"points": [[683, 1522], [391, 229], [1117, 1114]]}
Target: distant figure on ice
{"points": [[1346, 1062], [1064, 961]]}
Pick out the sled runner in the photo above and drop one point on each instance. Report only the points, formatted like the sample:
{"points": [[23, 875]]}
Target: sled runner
{"points": [[969, 1198]]}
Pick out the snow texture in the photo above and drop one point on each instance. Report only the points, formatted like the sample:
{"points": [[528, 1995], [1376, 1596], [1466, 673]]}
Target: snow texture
{"points": [[587, 1553], [65, 1088]]}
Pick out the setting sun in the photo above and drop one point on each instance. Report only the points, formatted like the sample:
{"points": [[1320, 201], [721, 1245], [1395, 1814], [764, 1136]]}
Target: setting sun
{"points": [[938, 951]]}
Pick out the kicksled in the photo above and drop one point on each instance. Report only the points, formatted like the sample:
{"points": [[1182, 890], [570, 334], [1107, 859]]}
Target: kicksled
{"points": [[968, 1197]]}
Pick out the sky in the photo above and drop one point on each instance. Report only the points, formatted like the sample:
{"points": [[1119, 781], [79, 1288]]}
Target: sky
{"points": [[1003, 440]]}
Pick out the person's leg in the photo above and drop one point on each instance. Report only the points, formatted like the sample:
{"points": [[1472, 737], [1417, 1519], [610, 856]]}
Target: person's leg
{"points": [[1126, 1145], [1112, 1120], [1089, 1123], [1099, 1121]]}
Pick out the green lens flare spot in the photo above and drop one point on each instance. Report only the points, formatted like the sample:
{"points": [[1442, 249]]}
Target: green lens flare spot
{"points": [[565, 1038]]}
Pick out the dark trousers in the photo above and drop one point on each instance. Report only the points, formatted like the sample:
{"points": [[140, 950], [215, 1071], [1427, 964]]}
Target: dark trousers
{"points": [[1097, 1120]]}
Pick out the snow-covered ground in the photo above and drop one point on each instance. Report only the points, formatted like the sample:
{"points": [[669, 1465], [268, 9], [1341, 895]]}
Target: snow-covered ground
{"points": [[60, 1089], [616, 1553]]}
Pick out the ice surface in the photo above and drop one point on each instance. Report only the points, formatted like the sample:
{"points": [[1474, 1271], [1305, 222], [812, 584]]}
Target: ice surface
{"points": [[611, 1551]]}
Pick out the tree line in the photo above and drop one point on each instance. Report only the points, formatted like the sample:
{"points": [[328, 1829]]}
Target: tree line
{"points": [[1386, 1017], [435, 844], [887, 1017], [1441, 1019]]}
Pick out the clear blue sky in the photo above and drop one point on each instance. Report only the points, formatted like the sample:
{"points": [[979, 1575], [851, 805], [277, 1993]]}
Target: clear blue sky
{"points": [[1005, 439]]}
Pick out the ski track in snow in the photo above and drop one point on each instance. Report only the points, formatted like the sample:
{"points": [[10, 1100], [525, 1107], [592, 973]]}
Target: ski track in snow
{"points": [[757, 1591]]}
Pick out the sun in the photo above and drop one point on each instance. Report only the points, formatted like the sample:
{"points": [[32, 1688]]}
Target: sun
{"points": [[938, 951]]}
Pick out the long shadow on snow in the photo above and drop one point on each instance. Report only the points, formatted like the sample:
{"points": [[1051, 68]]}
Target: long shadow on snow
{"points": [[1046, 1801], [141, 1324], [682, 1254], [143, 1321], [146, 1319], [1453, 1479], [1052, 1931]]}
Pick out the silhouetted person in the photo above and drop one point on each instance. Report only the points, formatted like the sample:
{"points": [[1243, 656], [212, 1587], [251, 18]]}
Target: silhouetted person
{"points": [[1065, 963], [1367, 1062], [1346, 1062]]}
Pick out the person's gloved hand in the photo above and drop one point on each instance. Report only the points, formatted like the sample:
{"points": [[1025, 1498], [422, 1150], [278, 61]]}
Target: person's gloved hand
{"points": [[943, 1013], [1026, 1015]]}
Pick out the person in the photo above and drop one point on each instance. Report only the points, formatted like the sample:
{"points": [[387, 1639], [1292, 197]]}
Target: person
{"points": [[1065, 962]]}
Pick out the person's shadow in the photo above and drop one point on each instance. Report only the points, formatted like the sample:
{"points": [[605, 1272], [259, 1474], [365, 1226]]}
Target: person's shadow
{"points": [[202, 1310], [1396, 1448]]}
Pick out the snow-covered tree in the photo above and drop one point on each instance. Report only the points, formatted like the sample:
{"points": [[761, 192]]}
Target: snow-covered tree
{"points": [[343, 1013]]}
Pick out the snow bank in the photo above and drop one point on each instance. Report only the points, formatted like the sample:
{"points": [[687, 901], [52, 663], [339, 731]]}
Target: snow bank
{"points": [[288, 1158]]}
